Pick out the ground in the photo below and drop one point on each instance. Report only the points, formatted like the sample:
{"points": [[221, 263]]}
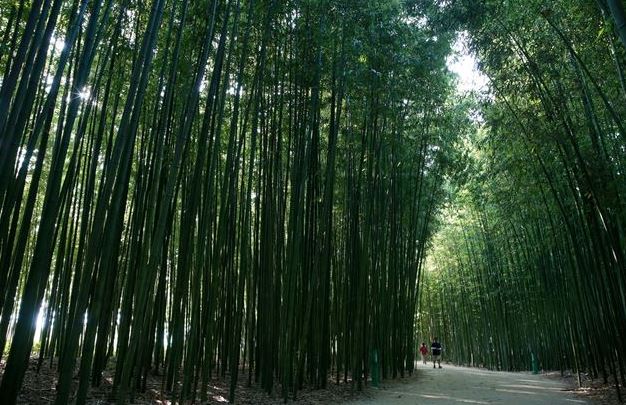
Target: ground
{"points": [[459, 385], [427, 386]]}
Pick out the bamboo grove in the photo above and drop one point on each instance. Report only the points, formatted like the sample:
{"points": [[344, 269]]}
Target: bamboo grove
{"points": [[530, 259], [204, 188]]}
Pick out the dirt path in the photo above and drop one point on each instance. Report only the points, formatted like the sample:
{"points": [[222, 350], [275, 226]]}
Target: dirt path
{"points": [[459, 385]]}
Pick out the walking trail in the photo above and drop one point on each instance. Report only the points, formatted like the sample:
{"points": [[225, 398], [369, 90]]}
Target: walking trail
{"points": [[460, 385]]}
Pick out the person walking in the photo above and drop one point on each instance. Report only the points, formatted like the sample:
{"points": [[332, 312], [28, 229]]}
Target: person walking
{"points": [[423, 352], [435, 351]]}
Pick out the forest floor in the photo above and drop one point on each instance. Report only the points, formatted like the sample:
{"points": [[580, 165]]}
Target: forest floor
{"points": [[39, 388], [460, 385], [449, 385]]}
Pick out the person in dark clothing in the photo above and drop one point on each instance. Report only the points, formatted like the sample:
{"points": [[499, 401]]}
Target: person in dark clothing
{"points": [[435, 350]]}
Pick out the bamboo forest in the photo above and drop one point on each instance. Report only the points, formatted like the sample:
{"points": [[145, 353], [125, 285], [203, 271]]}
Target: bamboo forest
{"points": [[293, 194]]}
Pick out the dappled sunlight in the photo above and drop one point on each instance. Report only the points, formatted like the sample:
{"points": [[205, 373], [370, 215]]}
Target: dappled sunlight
{"points": [[534, 387], [535, 381], [516, 391], [462, 400], [438, 397]]}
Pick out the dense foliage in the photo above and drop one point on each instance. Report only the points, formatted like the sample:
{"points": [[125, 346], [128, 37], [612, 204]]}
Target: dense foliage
{"points": [[249, 189], [532, 257], [212, 187]]}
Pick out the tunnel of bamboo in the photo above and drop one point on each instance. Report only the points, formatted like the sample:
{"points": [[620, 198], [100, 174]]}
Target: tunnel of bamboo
{"points": [[276, 192]]}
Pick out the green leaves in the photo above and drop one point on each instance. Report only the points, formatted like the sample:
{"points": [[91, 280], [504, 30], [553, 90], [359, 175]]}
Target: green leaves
{"points": [[529, 237], [250, 187]]}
